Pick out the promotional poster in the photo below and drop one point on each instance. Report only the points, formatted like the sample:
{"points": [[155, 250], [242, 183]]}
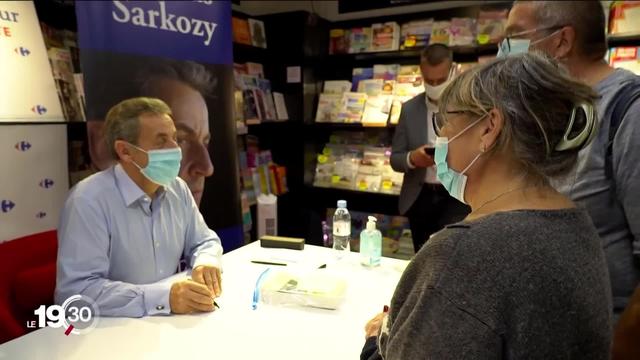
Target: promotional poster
{"points": [[190, 67]]}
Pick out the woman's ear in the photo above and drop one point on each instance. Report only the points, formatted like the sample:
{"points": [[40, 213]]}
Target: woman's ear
{"points": [[494, 123]]}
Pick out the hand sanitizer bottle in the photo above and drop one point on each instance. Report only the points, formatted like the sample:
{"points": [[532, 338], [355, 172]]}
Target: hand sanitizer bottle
{"points": [[370, 244]]}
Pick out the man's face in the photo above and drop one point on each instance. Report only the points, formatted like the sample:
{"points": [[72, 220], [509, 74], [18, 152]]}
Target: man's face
{"points": [[522, 23], [191, 118], [435, 75], [156, 132]]}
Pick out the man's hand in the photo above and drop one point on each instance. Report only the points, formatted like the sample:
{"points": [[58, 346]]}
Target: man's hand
{"points": [[374, 325], [209, 276], [420, 159], [188, 296]]}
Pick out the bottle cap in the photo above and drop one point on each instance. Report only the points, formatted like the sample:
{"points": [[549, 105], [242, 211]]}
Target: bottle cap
{"points": [[371, 224], [342, 204]]}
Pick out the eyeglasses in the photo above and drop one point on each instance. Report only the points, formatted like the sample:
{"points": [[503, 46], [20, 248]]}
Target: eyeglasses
{"points": [[521, 34], [439, 120]]}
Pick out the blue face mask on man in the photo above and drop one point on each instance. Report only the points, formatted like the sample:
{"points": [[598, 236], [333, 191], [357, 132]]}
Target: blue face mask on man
{"points": [[455, 182], [510, 46], [513, 46], [163, 165]]}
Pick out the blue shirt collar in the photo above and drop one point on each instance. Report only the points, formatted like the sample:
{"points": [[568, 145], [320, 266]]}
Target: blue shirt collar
{"points": [[129, 190]]}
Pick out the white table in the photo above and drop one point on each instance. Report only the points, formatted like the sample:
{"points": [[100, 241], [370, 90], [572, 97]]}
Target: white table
{"points": [[235, 331]]}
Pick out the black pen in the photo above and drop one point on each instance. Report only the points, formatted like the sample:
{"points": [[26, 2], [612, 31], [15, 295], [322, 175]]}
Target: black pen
{"points": [[268, 263], [214, 302]]}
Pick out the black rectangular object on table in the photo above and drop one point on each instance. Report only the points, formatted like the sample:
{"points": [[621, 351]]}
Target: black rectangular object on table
{"points": [[269, 241]]}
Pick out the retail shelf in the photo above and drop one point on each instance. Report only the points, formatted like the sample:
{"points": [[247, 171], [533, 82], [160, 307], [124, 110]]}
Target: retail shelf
{"points": [[350, 191], [274, 123], [370, 202], [243, 53], [347, 126], [624, 40], [385, 56]]}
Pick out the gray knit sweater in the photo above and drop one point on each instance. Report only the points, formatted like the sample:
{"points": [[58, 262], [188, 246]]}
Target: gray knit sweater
{"points": [[528, 284]]}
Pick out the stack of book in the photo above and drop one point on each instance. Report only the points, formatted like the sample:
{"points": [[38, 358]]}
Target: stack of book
{"points": [[247, 191], [64, 57], [490, 26], [415, 34], [440, 32], [487, 27], [408, 85], [359, 39], [254, 96], [377, 37], [329, 103], [380, 91], [625, 58], [357, 167], [338, 41], [259, 174], [338, 104], [359, 74], [623, 18], [623, 21], [462, 32], [348, 163], [385, 37], [373, 98], [249, 32]]}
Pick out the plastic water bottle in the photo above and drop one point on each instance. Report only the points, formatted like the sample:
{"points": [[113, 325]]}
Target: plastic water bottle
{"points": [[341, 230]]}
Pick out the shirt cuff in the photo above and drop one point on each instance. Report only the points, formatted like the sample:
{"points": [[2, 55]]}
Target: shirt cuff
{"points": [[156, 298], [207, 259], [409, 164]]}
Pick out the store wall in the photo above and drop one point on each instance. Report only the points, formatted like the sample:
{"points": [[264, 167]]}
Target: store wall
{"points": [[34, 178], [33, 149], [28, 92]]}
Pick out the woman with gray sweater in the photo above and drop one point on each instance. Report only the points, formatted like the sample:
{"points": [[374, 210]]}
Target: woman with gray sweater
{"points": [[523, 276]]}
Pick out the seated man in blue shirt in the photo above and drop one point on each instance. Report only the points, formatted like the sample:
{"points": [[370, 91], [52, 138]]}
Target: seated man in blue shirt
{"points": [[125, 229]]}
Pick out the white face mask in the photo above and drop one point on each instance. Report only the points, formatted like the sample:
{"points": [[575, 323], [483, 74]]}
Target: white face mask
{"points": [[434, 92]]}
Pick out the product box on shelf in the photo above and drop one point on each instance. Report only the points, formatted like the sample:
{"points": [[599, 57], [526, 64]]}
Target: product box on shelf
{"points": [[624, 18], [385, 37]]}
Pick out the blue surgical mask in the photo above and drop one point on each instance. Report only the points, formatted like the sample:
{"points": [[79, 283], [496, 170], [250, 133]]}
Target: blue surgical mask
{"points": [[163, 165], [455, 182], [511, 46]]}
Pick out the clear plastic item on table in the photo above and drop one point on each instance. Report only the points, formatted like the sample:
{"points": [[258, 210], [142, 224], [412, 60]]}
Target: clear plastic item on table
{"points": [[318, 288]]}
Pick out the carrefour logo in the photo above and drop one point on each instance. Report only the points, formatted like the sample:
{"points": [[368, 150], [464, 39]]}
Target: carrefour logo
{"points": [[46, 183], [6, 205], [39, 109], [21, 50], [23, 145]]}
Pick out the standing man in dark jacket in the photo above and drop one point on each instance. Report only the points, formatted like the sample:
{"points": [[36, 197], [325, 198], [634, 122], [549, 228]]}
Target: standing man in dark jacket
{"points": [[423, 199]]}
